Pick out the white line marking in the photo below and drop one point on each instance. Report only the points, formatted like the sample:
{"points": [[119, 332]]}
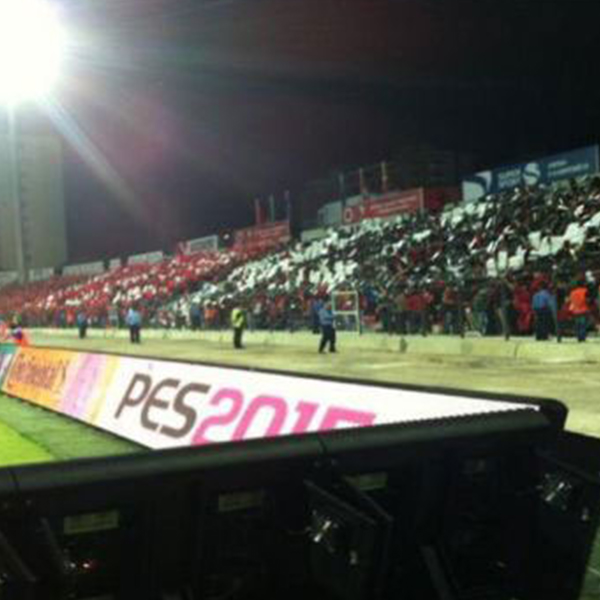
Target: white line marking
{"points": [[385, 365]]}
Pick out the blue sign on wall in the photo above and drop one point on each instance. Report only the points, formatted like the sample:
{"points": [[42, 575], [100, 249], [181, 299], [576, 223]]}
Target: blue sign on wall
{"points": [[576, 163]]}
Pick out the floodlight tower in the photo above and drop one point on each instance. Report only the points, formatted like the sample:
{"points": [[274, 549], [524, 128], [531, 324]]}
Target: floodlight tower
{"points": [[31, 50]]}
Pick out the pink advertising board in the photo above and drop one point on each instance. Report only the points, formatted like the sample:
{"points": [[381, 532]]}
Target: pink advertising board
{"points": [[164, 404]]}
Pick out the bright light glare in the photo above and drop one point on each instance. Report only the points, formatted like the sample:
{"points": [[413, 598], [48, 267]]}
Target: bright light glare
{"points": [[31, 49]]}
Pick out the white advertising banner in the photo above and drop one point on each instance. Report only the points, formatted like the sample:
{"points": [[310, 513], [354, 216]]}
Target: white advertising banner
{"points": [[114, 263], [147, 258], [164, 404], [92, 268], [210, 242], [41, 274], [8, 277]]}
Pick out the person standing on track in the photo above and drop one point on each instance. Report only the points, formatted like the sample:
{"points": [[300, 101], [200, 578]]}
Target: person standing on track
{"points": [[82, 324], [238, 323], [327, 322], [579, 307], [134, 322], [544, 308], [315, 308], [113, 318], [503, 301]]}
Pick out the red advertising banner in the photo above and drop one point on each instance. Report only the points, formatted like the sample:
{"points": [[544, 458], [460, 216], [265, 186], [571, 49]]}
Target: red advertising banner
{"points": [[437, 198], [269, 234], [389, 205]]}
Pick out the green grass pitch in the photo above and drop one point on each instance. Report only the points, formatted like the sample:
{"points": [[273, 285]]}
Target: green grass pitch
{"points": [[17, 449]]}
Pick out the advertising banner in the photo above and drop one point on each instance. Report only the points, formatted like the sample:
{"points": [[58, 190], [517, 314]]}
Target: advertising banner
{"points": [[262, 236], [164, 404], [437, 198], [92, 268], [310, 235], [115, 263], [330, 215], [383, 207], [41, 274], [7, 353], [210, 242], [71, 383], [8, 277], [147, 258], [38, 375], [559, 167]]}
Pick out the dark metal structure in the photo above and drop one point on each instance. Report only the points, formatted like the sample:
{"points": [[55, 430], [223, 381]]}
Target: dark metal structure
{"points": [[482, 507]]}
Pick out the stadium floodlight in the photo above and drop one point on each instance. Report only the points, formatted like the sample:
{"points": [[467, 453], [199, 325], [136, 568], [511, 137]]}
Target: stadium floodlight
{"points": [[32, 42]]}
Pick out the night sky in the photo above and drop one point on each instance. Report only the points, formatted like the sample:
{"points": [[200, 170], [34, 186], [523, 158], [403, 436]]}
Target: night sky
{"points": [[199, 106]]}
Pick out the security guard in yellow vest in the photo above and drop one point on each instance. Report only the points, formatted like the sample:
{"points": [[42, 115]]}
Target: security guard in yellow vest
{"points": [[238, 322]]}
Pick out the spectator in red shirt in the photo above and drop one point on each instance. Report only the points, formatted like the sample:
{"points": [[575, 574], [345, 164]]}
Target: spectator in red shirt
{"points": [[416, 306]]}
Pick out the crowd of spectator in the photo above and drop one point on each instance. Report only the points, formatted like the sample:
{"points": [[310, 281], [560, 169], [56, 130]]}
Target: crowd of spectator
{"points": [[107, 297], [473, 266]]}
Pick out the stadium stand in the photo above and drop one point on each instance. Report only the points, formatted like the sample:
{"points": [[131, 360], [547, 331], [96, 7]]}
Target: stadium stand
{"points": [[479, 257], [24, 300], [472, 266], [56, 301]]}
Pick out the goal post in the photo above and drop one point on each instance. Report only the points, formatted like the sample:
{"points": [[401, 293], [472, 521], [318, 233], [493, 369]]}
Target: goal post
{"points": [[346, 310]]}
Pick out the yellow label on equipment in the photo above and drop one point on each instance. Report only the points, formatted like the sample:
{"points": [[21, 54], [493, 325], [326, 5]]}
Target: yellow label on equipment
{"points": [[369, 482], [241, 500], [102, 521]]}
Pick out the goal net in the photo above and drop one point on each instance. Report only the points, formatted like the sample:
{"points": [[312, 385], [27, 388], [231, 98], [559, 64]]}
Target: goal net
{"points": [[346, 310]]}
